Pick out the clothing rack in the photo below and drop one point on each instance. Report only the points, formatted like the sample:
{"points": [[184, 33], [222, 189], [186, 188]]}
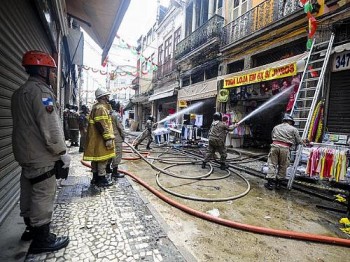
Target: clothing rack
{"points": [[330, 145], [347, 188]]}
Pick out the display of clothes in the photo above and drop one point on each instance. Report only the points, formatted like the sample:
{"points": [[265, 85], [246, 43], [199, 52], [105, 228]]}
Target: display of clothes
{"points": [[327, 163], [189, 132], [242, 130]]}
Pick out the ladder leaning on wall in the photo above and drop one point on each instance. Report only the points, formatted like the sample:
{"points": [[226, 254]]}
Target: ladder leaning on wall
{"points": [[308, 94]]}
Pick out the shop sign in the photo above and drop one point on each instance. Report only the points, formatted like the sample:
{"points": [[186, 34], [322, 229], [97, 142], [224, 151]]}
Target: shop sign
{"points": [[262, 75], [182, 103], [341, 61]]}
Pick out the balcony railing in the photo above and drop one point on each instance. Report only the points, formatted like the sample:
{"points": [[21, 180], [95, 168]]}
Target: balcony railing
{"points": [[209, 30], [259, 17]]}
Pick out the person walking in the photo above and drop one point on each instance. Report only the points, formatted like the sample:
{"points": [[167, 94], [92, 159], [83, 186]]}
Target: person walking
{"points": [[99, 146], [217, 135], [147, 133], [73, 123], [284, 136], [119, 135], [83, 125], [38, 142]]}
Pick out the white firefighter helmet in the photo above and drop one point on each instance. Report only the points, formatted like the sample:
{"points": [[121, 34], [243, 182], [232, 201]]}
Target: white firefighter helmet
{"points": [[101, 92]]}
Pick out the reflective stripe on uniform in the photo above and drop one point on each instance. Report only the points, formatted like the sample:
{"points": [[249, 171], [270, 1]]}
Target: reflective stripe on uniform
{"points": [[100, 158]]}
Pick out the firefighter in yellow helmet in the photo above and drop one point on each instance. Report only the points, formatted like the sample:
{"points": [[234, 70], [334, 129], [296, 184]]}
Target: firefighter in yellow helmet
{"points": [[99, 145]]}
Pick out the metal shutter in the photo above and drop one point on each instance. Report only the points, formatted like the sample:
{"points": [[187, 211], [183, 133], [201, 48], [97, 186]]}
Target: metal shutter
{"points": [[20, 30], [338, 117]]}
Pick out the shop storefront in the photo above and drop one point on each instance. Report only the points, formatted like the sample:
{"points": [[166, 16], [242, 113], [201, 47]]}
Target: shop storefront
{"points": [[270, 87], [338, 104], [204, 92], [164, 100]]}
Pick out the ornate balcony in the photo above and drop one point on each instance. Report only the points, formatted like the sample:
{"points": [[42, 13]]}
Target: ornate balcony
{"points": [[257, 18], [209, 30]]}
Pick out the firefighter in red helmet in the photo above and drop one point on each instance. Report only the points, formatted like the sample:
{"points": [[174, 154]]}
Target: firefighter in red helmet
{"points": [[39, 147]]}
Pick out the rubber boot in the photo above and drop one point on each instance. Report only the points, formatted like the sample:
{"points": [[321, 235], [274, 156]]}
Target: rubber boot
{"points": [[94, 178], [116, 174], [44, 241], [136, 147], [148, 145], [270, 185], [108, 168], [102, 181], [204, 164], [28, 233], [278, 184], [223, 166]]}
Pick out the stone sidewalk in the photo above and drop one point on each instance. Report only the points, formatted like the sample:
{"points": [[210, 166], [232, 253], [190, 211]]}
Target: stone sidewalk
{"points": [[112, 224]]}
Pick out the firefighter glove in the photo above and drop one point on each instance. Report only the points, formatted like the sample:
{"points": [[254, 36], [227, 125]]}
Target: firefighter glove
{"points": [[109, 144]]}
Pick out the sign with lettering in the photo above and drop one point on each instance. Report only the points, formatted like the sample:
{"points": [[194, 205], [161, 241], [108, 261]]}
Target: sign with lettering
{"points": [[341, 61], [262, 75]]}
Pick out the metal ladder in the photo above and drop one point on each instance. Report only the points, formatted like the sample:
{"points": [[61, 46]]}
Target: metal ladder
{"points": [[308, 93]]}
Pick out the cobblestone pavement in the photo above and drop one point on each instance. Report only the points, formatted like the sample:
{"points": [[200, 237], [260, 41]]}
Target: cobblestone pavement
{"points": [[112, 224]]}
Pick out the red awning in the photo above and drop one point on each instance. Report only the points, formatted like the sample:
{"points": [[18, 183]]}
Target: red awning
{"points": [[99, 18]]}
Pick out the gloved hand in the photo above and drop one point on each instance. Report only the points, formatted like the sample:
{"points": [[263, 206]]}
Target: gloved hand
{"points": [[109, 144], [66, 160]]}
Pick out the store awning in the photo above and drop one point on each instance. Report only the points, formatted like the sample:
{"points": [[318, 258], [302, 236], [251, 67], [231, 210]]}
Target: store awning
{"points": [[99, 18], [198, 91], [298, 61], [75, 39], [129, 106], [164, 92], [139, 99]]}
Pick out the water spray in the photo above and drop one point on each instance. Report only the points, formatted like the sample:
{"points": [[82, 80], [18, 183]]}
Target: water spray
{"points": [[267, 104], [181, 112]]}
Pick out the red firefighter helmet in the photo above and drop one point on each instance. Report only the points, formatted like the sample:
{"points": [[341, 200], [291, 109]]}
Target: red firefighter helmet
{"points": [[38, 58]]}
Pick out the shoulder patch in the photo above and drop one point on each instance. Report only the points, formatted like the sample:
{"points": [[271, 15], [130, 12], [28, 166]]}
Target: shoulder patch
{"points": [[47, 101]]}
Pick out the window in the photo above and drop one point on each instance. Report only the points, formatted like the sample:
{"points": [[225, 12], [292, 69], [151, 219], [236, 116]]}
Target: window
{"points": [[167, 49], [160, 55], [238, 8], [177, 36]]}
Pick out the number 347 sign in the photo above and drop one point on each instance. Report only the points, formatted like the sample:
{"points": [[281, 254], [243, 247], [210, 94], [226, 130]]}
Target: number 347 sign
{"points": [[341, 61]]}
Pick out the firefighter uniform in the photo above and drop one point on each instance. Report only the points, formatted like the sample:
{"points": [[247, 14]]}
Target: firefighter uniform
{"points": [[100, 130], [119, 138], [83, 125], [283, 137], [73, 123], [147, 133], [217, 137], [36, 149]]}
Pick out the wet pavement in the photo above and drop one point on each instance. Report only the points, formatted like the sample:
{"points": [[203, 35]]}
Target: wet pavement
{"points": [[111, 224], [126, 222]]}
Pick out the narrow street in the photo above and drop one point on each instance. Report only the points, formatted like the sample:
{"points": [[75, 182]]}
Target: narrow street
{"points": [[126, 222]]}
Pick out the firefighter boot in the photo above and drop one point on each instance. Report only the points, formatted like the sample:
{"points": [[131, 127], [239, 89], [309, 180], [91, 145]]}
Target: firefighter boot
{"points": [[116, 174], [204, 164], [102, 181], [108, 168], [44, 241], [28, 233], [270, 185], [223, 166], [94, 178], [278, 184], [136, 147], [148, 145]]}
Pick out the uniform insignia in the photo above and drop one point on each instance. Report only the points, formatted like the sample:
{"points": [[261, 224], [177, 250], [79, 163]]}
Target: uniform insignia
{"points": [[47, 101], [49, 109]]}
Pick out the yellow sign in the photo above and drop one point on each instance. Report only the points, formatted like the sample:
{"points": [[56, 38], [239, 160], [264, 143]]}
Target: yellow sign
{"points": [[182, 103], [262, 75]]}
